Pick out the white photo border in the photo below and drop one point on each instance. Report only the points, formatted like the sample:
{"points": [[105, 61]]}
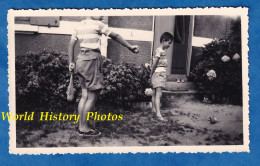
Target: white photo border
{"points": [[242, 11]]}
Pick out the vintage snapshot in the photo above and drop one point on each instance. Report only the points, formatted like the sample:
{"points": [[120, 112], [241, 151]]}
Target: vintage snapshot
{"points": [[120, 81]]}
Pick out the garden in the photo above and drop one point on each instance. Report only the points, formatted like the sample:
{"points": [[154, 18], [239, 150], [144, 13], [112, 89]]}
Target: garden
{"points": [[213, 117]]}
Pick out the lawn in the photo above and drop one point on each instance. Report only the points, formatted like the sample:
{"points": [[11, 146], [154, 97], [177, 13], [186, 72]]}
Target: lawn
{"points": [[187, 125]]}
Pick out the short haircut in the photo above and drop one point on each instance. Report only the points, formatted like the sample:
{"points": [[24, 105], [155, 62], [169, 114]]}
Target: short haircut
{"points": [[166, 36]]}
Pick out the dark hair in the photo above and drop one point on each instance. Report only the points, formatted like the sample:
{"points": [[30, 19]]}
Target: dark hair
{"points": [[166, 36]]}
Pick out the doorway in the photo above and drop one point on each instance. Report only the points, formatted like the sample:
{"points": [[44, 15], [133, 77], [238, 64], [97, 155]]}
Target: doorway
{"points": [[179, 55]]}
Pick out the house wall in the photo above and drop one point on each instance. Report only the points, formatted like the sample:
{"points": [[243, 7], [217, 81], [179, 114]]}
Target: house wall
{"points": [[136, 29], [36, 42], [131, 22], [209, 27], [120, 54], [59, 42]]}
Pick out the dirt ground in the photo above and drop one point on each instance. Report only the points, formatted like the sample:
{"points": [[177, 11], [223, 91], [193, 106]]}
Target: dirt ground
{"points": [[187, 125]]}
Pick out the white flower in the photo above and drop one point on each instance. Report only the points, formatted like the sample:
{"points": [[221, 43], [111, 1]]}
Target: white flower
{"points": [[216, 40], [148, 92], [146, 65], [225, 58], [205, 99], [211, 74], [236, 57]]}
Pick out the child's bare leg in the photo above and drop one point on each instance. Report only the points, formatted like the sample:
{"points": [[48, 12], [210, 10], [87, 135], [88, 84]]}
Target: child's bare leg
{"points": [[158, 104], [158, 101], [83, 99], [88, 107], [153, 100]]}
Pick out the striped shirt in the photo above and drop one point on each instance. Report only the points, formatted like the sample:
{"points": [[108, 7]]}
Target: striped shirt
{"points": [[89, 33], [162, 63]]}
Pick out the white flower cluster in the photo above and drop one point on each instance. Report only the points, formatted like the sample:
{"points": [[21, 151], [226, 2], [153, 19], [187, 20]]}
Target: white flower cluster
{"points": [[211, 74], [216, 40], [146, 65], [225, 58], [236, 57], [148, 92]]}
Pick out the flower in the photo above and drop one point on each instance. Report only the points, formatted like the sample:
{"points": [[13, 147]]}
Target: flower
{"points": [[148, 92], [146, 65], [236, 57], [225, 58], [216, 40], [211, 74], [205, 99]]}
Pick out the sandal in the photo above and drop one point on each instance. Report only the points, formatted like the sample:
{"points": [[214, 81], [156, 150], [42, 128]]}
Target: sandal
{"points": [[90, 133], [162, 119]]}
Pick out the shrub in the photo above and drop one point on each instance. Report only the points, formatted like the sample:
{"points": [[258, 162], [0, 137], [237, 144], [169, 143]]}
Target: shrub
{"points": [[218, 75], [42, 79], [124, 83]]}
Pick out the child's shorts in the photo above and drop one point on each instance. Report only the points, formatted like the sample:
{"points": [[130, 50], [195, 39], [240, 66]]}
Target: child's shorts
{"points": [[89, 70], [159, 79]]}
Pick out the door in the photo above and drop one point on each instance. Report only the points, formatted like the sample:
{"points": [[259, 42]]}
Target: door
{"points": [[179, 55], [164, 24], [181, 34]]}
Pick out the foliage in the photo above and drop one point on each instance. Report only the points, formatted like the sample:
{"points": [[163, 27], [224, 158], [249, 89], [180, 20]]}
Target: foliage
{"points": [[42, 79], [218, 75], [124, 83]]}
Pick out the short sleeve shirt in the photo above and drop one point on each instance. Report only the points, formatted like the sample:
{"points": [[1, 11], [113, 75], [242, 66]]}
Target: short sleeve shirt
{"points": [[162, 63], [89, 33]]}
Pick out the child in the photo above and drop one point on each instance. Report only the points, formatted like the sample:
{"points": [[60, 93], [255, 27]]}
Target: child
{"points": [[89, 65], [158, 72]]}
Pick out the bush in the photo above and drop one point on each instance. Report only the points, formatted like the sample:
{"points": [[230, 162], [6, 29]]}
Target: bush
{"points": [[124, 83], [42, 79], [218, 75]]}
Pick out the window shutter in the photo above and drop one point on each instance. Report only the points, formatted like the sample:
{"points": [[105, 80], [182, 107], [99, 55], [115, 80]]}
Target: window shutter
{"points": [[45, 21]]}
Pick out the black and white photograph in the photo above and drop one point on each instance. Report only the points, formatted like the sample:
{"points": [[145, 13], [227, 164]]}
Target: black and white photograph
{"points": [[141, 80]]}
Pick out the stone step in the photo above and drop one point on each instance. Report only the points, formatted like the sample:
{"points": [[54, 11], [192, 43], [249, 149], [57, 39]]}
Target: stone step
{"points": [[169, 97], [175, 92], [182, 86], [175, 77]]}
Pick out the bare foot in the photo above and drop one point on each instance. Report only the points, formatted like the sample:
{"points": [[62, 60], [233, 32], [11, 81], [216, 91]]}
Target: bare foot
{"points": [[162, 119]]}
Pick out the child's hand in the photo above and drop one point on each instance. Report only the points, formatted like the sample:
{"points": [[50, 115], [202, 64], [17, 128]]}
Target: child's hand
{"points": [[135, 49], [71, 66]]}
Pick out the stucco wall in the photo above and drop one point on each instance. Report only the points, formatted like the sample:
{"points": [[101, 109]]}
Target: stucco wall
{"points": [[37, 42], [210, 26], [204, 26], [34, 43], [118, 53], [115, 51], [131, 22]]}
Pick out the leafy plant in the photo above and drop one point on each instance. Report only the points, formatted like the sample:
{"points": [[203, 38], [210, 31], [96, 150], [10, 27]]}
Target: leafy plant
{"points": [[42, 79], [222, 57], [124, 83]]}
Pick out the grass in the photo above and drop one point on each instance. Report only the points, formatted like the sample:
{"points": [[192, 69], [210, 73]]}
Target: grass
{"points": [[187, 125]]}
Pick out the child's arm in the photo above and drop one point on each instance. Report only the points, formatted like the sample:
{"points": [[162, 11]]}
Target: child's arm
{"points": [[121, 40], [155, 65], [71, 54]]}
